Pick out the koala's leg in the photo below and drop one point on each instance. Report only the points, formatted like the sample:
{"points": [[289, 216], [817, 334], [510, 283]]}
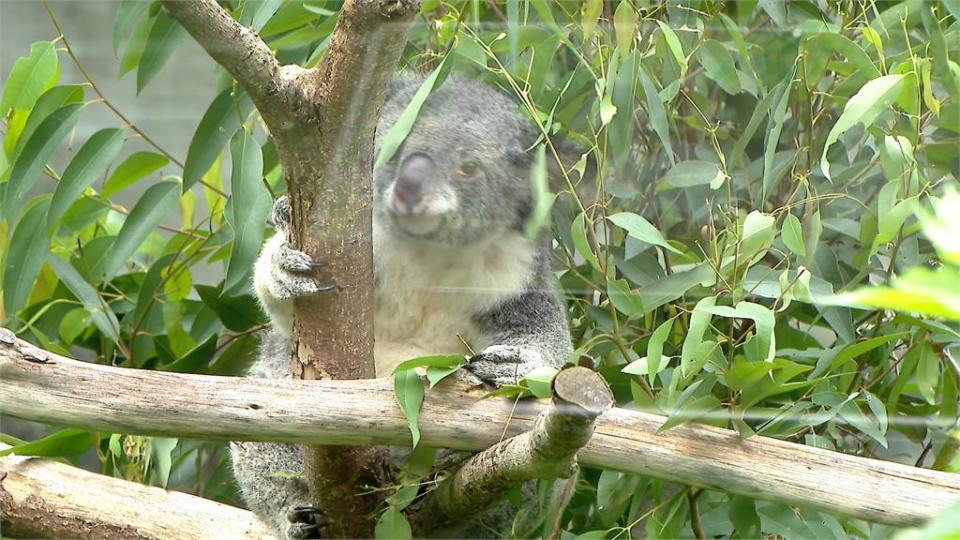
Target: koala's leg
{"points": [[528, 332], [270, 477]]}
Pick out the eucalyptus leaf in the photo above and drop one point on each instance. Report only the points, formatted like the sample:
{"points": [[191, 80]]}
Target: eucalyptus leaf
{"points": [[49, 102], [156, 203], [699, 321], [401, 127], [539, 381], [165, 36], [25, 255], [247, 211], [718, 63], [686, 174], [393, 525], [657, 112], [37, 152], [655, 348], [135, 167], [93, 303], [217, 126], [792, 235], [408, 391], [642, 230], [127, 12], [30, 76], [775, 127], [874, 98], [66, 442], [87, 166]]}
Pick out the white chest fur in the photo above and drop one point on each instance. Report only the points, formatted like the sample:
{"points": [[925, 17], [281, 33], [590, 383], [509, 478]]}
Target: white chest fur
{"points": [[427, 295]]}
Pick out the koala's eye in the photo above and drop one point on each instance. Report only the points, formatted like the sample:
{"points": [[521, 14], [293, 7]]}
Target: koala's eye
{"points": [[468, 169]]}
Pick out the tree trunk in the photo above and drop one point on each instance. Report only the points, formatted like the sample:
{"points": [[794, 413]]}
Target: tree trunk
{"points": [[323, 121]]}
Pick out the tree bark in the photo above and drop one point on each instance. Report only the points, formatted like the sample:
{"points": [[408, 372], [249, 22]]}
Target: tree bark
{"points": [[46, 387], [43, 498], [547, 451], [330, 186], [323, 121]]}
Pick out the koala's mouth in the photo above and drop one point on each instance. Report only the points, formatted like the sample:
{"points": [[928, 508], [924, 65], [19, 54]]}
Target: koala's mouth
{"points": [[420, 226], [419, 216]]}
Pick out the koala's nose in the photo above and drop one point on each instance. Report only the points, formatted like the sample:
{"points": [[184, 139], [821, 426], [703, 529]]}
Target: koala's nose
{"points": [[414, 176]]}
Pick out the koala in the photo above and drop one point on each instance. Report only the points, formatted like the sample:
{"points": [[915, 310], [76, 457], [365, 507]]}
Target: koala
{"points": [[453, 270]]}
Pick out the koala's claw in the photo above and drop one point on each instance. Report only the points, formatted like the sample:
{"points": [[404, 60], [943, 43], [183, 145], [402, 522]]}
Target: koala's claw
{"points": [[289, 286], [290, 274], [305, 522], [500, 365], [291, 260]]}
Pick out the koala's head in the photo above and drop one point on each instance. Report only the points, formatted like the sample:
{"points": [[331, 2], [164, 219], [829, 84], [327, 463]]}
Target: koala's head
{"points": [[463, 171]]}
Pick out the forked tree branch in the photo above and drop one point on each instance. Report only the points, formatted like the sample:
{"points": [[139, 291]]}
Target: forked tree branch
{"points": [[40, 498], [547, 451], [43, 386]]}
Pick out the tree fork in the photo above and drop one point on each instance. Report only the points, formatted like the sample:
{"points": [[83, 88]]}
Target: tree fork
{"points": [[323, 122]]}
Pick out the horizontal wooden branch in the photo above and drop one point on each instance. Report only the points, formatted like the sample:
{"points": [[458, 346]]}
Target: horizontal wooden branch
{"points": [[42, 386], [46, 499]]}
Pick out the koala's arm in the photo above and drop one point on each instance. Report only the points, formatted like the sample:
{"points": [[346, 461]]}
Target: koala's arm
{"points": [[282, 273], [279, 309], [527, 332]]}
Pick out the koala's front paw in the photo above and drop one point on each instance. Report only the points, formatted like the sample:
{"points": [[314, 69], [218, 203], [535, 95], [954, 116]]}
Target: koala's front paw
{"points": [[504, 364], [288, 272], [282, 274], [305, 522]]}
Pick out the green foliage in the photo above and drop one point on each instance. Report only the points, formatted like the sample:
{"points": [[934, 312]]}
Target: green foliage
{"points": [[762, 239], [408, 388], [930, 292], [944, 527]]}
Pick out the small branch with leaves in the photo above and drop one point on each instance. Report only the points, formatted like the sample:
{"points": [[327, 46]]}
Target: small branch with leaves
{"points": [[547, 451]]}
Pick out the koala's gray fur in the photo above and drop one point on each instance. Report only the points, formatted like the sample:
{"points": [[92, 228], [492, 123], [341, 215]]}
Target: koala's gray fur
{"points": [[451, 266]]}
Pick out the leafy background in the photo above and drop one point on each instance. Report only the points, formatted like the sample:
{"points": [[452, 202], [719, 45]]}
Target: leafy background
{"points": [[763, 169]]}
